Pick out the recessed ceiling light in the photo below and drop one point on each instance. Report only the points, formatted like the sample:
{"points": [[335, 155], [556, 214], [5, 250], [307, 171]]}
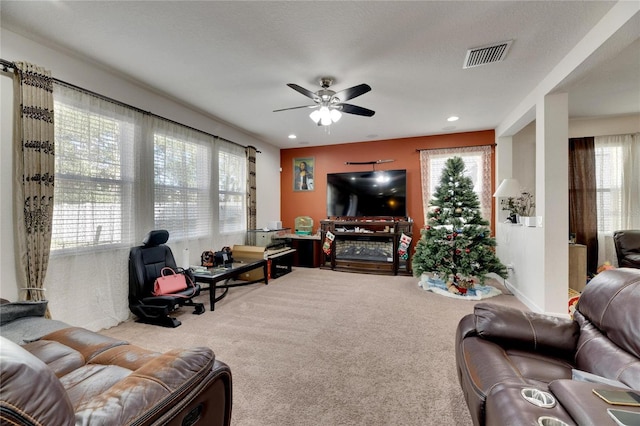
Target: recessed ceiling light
{"points": [[292, 136], [453, 118]]}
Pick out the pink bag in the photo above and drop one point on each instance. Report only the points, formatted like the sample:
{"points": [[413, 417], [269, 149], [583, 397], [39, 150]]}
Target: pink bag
{"points": [[169, 284]]}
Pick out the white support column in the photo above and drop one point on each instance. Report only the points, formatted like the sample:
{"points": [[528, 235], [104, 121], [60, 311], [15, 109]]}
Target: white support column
{"points": [[552, 198]]}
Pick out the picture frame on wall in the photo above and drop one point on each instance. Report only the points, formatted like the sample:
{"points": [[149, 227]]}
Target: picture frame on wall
{"points": [[303, 169]]}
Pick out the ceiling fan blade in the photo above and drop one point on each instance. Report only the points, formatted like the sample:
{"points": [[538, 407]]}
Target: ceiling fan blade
{"points": [[298, 107], [352, 92], [353, 109], [307, 93]]}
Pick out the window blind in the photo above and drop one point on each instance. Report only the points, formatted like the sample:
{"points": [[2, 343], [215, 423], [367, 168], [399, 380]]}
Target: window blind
{"points": [[182, 175], [114, 183], [232, 191], [477, 162], [94, 177]]}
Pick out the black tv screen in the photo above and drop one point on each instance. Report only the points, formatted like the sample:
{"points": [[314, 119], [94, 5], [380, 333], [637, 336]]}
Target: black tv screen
{"points": [[375, 193]]}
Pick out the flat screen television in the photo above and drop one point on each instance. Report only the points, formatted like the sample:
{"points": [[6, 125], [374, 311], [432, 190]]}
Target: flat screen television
{"points": [[360, 194]]}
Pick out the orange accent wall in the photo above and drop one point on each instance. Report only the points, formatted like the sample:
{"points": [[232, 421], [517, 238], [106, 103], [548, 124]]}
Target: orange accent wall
{"points": [[332, 158]]}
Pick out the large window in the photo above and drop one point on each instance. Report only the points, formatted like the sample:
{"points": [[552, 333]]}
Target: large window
{"points": [[618, 189], [94, 177], [609, 186], [182, 176], [477, 162], [472, 170], [231, 191], [113, 184]]}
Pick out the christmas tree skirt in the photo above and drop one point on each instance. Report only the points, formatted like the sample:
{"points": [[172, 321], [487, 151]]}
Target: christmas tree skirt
{"points": [[478, 292]]}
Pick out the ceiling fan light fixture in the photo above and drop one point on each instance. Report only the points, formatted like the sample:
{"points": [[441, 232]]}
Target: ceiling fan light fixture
{"points": [[315, 116], [331, 104], [325, 116]]}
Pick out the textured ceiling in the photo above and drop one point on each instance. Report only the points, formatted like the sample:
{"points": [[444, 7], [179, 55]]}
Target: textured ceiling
{"points": [[232, 60]]}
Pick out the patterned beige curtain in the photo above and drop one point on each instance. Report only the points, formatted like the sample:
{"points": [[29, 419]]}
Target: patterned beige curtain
{"points": [[251, 187], [478, 171], [34, 164]]}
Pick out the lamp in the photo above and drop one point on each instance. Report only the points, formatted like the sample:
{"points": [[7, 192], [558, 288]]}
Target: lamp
{"points": [[508, 188], [325, 116]]}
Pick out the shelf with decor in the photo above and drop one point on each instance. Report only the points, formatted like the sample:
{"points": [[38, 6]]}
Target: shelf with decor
{"points": [[367, 245]]}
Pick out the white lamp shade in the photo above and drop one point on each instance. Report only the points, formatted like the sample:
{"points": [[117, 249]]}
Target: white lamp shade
{"points": [[508, 188], [325, 116], [315, 116]]}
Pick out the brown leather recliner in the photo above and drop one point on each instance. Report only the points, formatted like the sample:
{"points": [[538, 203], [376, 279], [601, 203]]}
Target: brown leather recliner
{"points": [[627, 248], [501, 351], [74, 376]]}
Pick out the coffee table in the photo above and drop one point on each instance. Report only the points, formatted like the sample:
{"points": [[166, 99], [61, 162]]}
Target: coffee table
{"points": [[215, 275]]}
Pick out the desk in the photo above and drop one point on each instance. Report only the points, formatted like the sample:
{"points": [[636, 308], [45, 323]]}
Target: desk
{"points": [[308, 249], [214, 275]]}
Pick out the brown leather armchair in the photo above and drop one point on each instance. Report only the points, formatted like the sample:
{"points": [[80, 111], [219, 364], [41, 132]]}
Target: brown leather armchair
{"points": [[627, 248], [501, 351]]}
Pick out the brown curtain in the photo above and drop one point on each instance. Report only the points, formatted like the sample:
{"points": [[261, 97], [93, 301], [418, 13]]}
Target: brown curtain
{"points": [[582, 197], [34, 164]]}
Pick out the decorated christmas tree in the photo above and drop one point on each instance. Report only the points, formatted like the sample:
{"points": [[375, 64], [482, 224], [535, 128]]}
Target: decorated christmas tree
{"points": [[455, 244]]}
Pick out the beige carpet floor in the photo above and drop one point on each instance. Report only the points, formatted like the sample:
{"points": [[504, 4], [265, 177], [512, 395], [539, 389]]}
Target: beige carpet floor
{"points": [[319, 347]]}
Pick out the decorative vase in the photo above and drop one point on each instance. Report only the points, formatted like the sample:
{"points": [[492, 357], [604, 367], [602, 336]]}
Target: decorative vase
{"points": [[529, 221]]}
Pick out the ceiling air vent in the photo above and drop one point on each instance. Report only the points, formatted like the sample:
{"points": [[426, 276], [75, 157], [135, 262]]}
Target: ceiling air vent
{"points": [[486, 54]]}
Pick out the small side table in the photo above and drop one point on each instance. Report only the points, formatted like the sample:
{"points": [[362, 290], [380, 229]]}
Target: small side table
{"points": [[577, 266]]}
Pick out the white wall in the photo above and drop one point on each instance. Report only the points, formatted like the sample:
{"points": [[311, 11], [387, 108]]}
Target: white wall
{"points": [[74, 70], [524, 157], [540, 255], [604, 126], [527, 257], [524, 142]]}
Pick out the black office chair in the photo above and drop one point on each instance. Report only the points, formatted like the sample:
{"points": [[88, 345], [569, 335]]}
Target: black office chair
{"points": [[145, 263]]}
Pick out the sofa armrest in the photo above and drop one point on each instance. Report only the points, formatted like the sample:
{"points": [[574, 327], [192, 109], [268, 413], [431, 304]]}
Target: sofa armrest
{"points": [[466, 328], [526, 330], [11, 311], [582, 404], [30, 392]]}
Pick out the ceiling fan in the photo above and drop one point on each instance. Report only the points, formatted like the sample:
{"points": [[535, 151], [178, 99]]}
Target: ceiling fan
{"points": [[330, 104]]}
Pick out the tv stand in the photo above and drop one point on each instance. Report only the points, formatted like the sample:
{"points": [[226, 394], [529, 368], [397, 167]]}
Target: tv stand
{"points": [[367, 245]]}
